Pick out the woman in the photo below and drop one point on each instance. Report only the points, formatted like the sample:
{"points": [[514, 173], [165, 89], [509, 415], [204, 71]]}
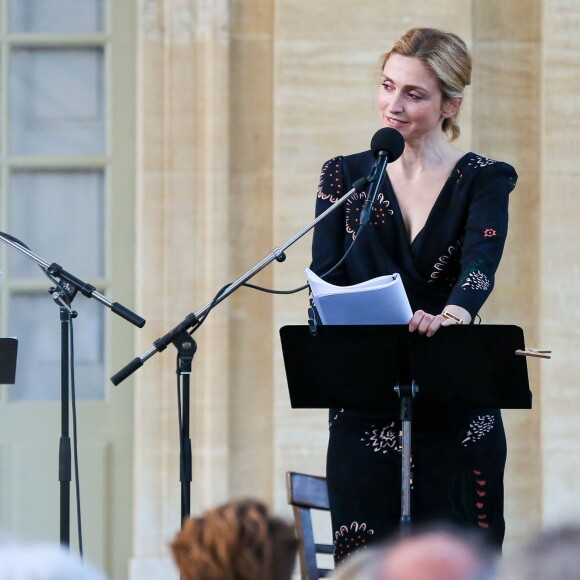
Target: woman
{"points": [[440, 221]]}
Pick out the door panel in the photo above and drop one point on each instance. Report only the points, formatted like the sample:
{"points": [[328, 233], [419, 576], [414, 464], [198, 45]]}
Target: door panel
{"points": [[67, 187]]}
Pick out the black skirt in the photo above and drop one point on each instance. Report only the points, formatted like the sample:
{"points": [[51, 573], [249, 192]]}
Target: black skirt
{"points": [[458, 466]]}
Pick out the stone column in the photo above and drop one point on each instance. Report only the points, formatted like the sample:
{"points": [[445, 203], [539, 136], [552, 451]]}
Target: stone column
{"points": [[560, 314], [506, 110], [182, 260]]}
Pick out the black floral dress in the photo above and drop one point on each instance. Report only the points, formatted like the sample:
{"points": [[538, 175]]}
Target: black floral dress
{"points": [[458, 456]]}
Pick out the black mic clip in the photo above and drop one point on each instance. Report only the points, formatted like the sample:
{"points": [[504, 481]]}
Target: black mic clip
{"points": [[373, 174], [312, 322], [360, 184], [375, 180]]}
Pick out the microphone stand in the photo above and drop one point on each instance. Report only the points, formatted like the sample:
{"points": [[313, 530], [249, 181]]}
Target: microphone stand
{"points": [[186, 348], [181, 338], [406, 394], [67, 288]]}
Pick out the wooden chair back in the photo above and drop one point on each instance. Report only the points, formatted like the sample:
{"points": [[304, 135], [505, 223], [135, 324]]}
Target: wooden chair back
{"points": [[306, 493]]}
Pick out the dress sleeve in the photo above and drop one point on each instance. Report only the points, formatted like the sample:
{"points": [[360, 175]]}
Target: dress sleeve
{"points": [[485, 235], [329, 234]]}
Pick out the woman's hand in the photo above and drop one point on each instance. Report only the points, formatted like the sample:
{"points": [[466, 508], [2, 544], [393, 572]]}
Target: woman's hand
{"points": [[429, 324], [425, 323]]}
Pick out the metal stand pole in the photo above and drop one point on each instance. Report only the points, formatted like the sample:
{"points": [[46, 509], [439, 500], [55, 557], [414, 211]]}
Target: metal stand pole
{"points": [[406, 394], [186, 347]]}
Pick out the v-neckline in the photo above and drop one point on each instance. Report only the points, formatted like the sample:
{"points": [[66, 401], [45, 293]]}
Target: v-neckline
{"points": [[399, 213]]}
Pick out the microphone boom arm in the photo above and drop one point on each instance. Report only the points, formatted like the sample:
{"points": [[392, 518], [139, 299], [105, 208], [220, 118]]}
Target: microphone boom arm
{"points": [[86, 289], [191, 319]]}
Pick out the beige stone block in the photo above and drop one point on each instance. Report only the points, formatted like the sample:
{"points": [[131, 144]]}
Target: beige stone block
{"points": [[250, 223], [561, 109], [506, 106], [251, 20], [560, 408], [296, 196], [513, 20], [251, 358], [560, 24], [561, 501], [560, 209], [250, 463], [251, 107], [561, 277], [523, 476], [380, 20], [151, 133], [560, 402], [325, 100]]}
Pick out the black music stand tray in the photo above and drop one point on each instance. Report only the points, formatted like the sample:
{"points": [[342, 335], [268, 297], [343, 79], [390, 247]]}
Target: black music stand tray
{"points": [[383, 367], [8, 350]]}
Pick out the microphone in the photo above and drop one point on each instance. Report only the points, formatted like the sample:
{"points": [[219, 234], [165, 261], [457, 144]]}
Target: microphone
{"points": [[387, 145]]}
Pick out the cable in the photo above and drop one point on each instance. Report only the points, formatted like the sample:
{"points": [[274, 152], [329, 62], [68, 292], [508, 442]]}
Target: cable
{"points": [[212, 304], [272, 291], [179, 415], [75, 439], [15, 240], [300, 288]]}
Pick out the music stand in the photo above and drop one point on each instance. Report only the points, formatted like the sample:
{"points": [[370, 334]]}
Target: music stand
{"points": [[8, 350], [383, 367]]}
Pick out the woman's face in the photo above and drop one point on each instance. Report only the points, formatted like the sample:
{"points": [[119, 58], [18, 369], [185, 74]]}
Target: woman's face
{"points": [[409, 98]]}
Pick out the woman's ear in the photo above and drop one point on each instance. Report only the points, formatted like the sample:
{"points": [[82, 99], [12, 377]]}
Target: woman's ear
{"points": [[451, 107]]}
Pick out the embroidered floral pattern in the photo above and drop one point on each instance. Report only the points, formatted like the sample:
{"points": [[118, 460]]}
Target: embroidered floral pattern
{"points": [[476, 280], [456, 174], [336, 416], [489, 233], [354, 206], [330, 181], [381, 439], [478, 428], [479, 161], [350, 539], [446, 266]]}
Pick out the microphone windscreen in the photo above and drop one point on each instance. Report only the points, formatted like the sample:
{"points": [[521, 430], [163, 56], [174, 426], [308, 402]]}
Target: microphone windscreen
{"points": [[388, 140]]}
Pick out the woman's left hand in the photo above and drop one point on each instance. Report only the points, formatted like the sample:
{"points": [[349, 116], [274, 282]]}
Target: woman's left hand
{"points": [[429, 324], [425, 323]]}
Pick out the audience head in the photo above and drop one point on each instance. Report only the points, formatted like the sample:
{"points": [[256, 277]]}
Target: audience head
{"points": [[441, 553], [363, 565], [437, 554], [42, 562], [553, 553], [237, 541]]}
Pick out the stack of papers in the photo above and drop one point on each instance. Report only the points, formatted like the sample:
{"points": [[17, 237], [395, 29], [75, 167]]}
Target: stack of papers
{"points": [[382, 300]]}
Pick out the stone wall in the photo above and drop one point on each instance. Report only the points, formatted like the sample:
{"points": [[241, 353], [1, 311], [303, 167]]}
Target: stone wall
{"points": [[240, 103]]}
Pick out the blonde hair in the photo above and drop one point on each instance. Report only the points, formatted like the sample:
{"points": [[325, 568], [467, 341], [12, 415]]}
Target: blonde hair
{"points": [[446, 56], [236, 541]]}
